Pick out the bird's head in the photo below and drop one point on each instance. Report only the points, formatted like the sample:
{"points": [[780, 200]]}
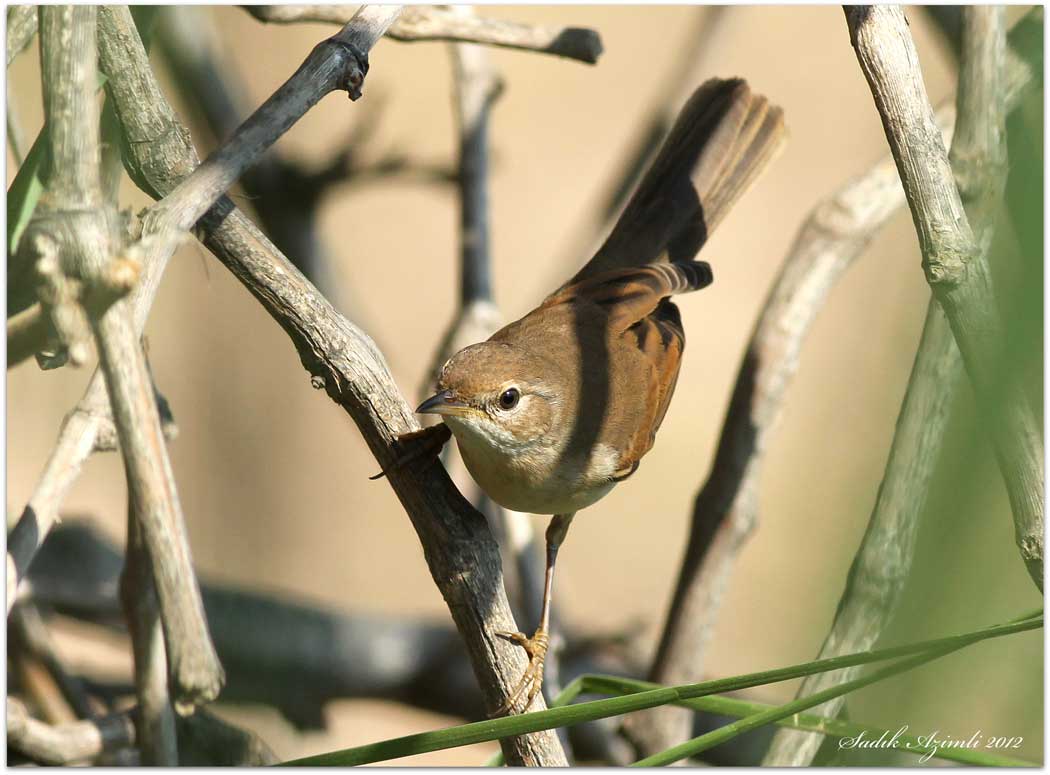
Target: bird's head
{"points": [[496, 395]]}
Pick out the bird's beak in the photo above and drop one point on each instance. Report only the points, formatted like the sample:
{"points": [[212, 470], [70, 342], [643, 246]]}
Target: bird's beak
{"points": [[442, 403]]}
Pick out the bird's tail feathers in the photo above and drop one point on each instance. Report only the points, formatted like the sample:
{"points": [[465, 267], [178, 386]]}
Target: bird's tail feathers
{"points": [[723, 138]]}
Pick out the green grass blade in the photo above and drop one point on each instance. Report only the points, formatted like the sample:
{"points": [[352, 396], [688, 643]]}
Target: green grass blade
{"points": [[728, 732], [575, 688], [494, 729], [28, 185], [25, 192], [806, 722]]}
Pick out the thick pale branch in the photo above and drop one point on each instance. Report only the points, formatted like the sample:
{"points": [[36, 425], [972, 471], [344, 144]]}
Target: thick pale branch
{"points": [[883, 560], [194, 667], [423, 23], [956, 267]]}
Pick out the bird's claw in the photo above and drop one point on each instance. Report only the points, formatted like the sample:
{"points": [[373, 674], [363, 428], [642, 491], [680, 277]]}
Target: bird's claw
{"points": [[532, 680]]}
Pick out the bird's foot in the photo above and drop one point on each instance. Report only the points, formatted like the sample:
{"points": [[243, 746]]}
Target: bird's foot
{"points": [[414, 445], [530, 683]]}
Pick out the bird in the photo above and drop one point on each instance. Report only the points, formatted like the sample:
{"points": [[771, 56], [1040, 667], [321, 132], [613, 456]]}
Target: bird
{"points": [[557, 408]]}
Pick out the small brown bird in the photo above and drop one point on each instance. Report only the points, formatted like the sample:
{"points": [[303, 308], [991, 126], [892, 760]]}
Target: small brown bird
{"points": [[555, 409]]}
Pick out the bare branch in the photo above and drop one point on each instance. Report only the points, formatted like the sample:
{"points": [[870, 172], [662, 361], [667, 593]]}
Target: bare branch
{"points": [[725, 513], [72, 743], [205, 739], [978, 150], [423, 23], [955, 263], [337, 63], [155, 722], [30, 637], [463, 558], [76, 442], [194, 666]]}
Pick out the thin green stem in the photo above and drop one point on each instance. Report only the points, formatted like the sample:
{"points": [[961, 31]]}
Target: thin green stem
{"points": [[494, 729], [806, 722], [25, 191]]}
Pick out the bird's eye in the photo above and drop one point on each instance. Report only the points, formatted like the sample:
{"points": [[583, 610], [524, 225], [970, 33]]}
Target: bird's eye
{"points": [[508, 399]]}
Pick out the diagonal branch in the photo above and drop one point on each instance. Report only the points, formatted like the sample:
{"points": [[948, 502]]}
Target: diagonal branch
{"points": [[954, 259], [463, 558], [338, 63], [428, 23]]}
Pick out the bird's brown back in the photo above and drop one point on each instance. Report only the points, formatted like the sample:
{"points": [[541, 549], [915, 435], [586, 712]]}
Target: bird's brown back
{"points": [[619, 347]]}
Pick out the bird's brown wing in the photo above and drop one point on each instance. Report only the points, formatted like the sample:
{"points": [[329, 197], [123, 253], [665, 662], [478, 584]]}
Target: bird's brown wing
{"points": [[630, 295], [644, 334]]}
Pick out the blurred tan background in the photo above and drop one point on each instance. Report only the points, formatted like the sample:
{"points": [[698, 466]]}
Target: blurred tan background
{"points": [[273, 476]]}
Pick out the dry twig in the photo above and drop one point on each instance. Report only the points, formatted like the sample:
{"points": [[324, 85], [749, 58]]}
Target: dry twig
{"points": [[155, 722], [204, 739], [423, 23], [64, 744]]}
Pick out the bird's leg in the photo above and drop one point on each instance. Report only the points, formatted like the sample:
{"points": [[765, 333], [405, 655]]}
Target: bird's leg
{"points": [[536, 646], [424, 443]]}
